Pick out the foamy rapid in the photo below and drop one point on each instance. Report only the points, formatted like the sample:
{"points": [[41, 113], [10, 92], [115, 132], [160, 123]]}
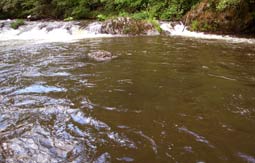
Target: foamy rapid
{"points": [[59, 31], [56, 31], [179, 29]]}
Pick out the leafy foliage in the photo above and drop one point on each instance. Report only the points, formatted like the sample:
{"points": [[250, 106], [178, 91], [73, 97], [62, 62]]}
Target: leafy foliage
{"points": [[223, 4], [68, 19], [101, 17], [17, 23], [79, 9], [194, 25]]}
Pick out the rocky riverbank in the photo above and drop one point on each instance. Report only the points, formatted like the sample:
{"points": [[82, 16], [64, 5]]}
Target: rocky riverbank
{"points": [[126, 25], [237, 17]]}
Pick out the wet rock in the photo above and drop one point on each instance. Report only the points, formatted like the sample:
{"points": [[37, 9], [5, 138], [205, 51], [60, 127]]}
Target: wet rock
{"points": [[5, 24], [1, 25], [41, 26], [32, 18], [101, 55], [29, 17], [128, 26]]}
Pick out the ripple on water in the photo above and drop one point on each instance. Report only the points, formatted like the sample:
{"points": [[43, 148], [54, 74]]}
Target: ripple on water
{"points": [[246, 157], [47, 92], [198, 137], [125, 159], [104, 158], [55, 134], [39, 89], [152, 142]]}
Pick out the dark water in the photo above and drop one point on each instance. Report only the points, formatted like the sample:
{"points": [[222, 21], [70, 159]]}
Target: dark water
{"points": [[162, 100]]}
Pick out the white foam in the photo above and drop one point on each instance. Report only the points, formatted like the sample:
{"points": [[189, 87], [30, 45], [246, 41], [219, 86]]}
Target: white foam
{"points": [[59, 31], [51, 32], [179, 29]]}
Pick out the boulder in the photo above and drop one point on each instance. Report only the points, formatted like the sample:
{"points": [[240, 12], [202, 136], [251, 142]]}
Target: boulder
{"points": [[128, 26], [32, 18], [101, 55]]}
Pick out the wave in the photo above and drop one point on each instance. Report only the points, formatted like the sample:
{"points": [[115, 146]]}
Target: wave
{"points": [[179, 29]]}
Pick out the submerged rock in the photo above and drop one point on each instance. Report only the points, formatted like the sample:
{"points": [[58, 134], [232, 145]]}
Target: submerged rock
{"points": [[101, 55], [128, 26]]}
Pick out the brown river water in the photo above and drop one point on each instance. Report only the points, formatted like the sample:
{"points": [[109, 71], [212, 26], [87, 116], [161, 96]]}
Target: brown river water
{"points": [[164, 99]]}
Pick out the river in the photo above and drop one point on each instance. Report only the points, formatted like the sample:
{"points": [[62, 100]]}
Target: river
{"points": [[163, 99]]}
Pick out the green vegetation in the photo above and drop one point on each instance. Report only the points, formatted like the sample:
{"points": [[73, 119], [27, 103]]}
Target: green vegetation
{"points": [[69, 19], [223, 4], [207, 15], [17, 23], [156, 24], [194, 25], [101, 17], [100, 9], [141, 15]]}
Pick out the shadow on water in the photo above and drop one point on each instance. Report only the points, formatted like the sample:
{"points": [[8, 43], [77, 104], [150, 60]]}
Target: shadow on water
{"points": [[164, 99]]}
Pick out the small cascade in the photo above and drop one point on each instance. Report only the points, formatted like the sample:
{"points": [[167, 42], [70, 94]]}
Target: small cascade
{"points": [[60, 31], [179, 29], [94, 28], [52, 31]]}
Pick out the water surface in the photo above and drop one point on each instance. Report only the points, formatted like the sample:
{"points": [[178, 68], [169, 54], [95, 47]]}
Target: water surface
{"points": [[164, 99]]}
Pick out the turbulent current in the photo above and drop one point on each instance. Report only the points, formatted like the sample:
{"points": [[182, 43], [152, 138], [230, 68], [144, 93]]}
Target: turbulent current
{"points": [[164, 98]]}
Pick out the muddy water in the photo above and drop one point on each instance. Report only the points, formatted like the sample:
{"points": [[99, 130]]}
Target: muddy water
{"points": [[163, 99]]}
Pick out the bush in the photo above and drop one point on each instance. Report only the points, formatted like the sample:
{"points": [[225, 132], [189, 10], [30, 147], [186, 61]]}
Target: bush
{"points": [[101, 17], [156, 24], [80, 12], [69, 19], [81, 9], [171, 13], [124, 14], [195, 25], [223, 4], [17, 23], [141, 15]]}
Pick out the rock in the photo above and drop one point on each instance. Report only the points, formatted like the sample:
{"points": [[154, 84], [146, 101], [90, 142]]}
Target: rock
{"points": [[128, 26], [237, 19], [101, 55], [32, 18], [29, 17], [1, 24]]}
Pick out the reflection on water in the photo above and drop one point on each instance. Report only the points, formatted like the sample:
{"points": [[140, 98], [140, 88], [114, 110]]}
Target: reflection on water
{"points": [[39, 89], [162, 100]]}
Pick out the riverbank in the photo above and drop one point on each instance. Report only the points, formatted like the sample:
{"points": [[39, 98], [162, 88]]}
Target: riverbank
{"points": [[237, 17]]}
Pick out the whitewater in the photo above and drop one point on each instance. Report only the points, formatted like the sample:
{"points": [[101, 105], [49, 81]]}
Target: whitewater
{"points": [[60, 31]]}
